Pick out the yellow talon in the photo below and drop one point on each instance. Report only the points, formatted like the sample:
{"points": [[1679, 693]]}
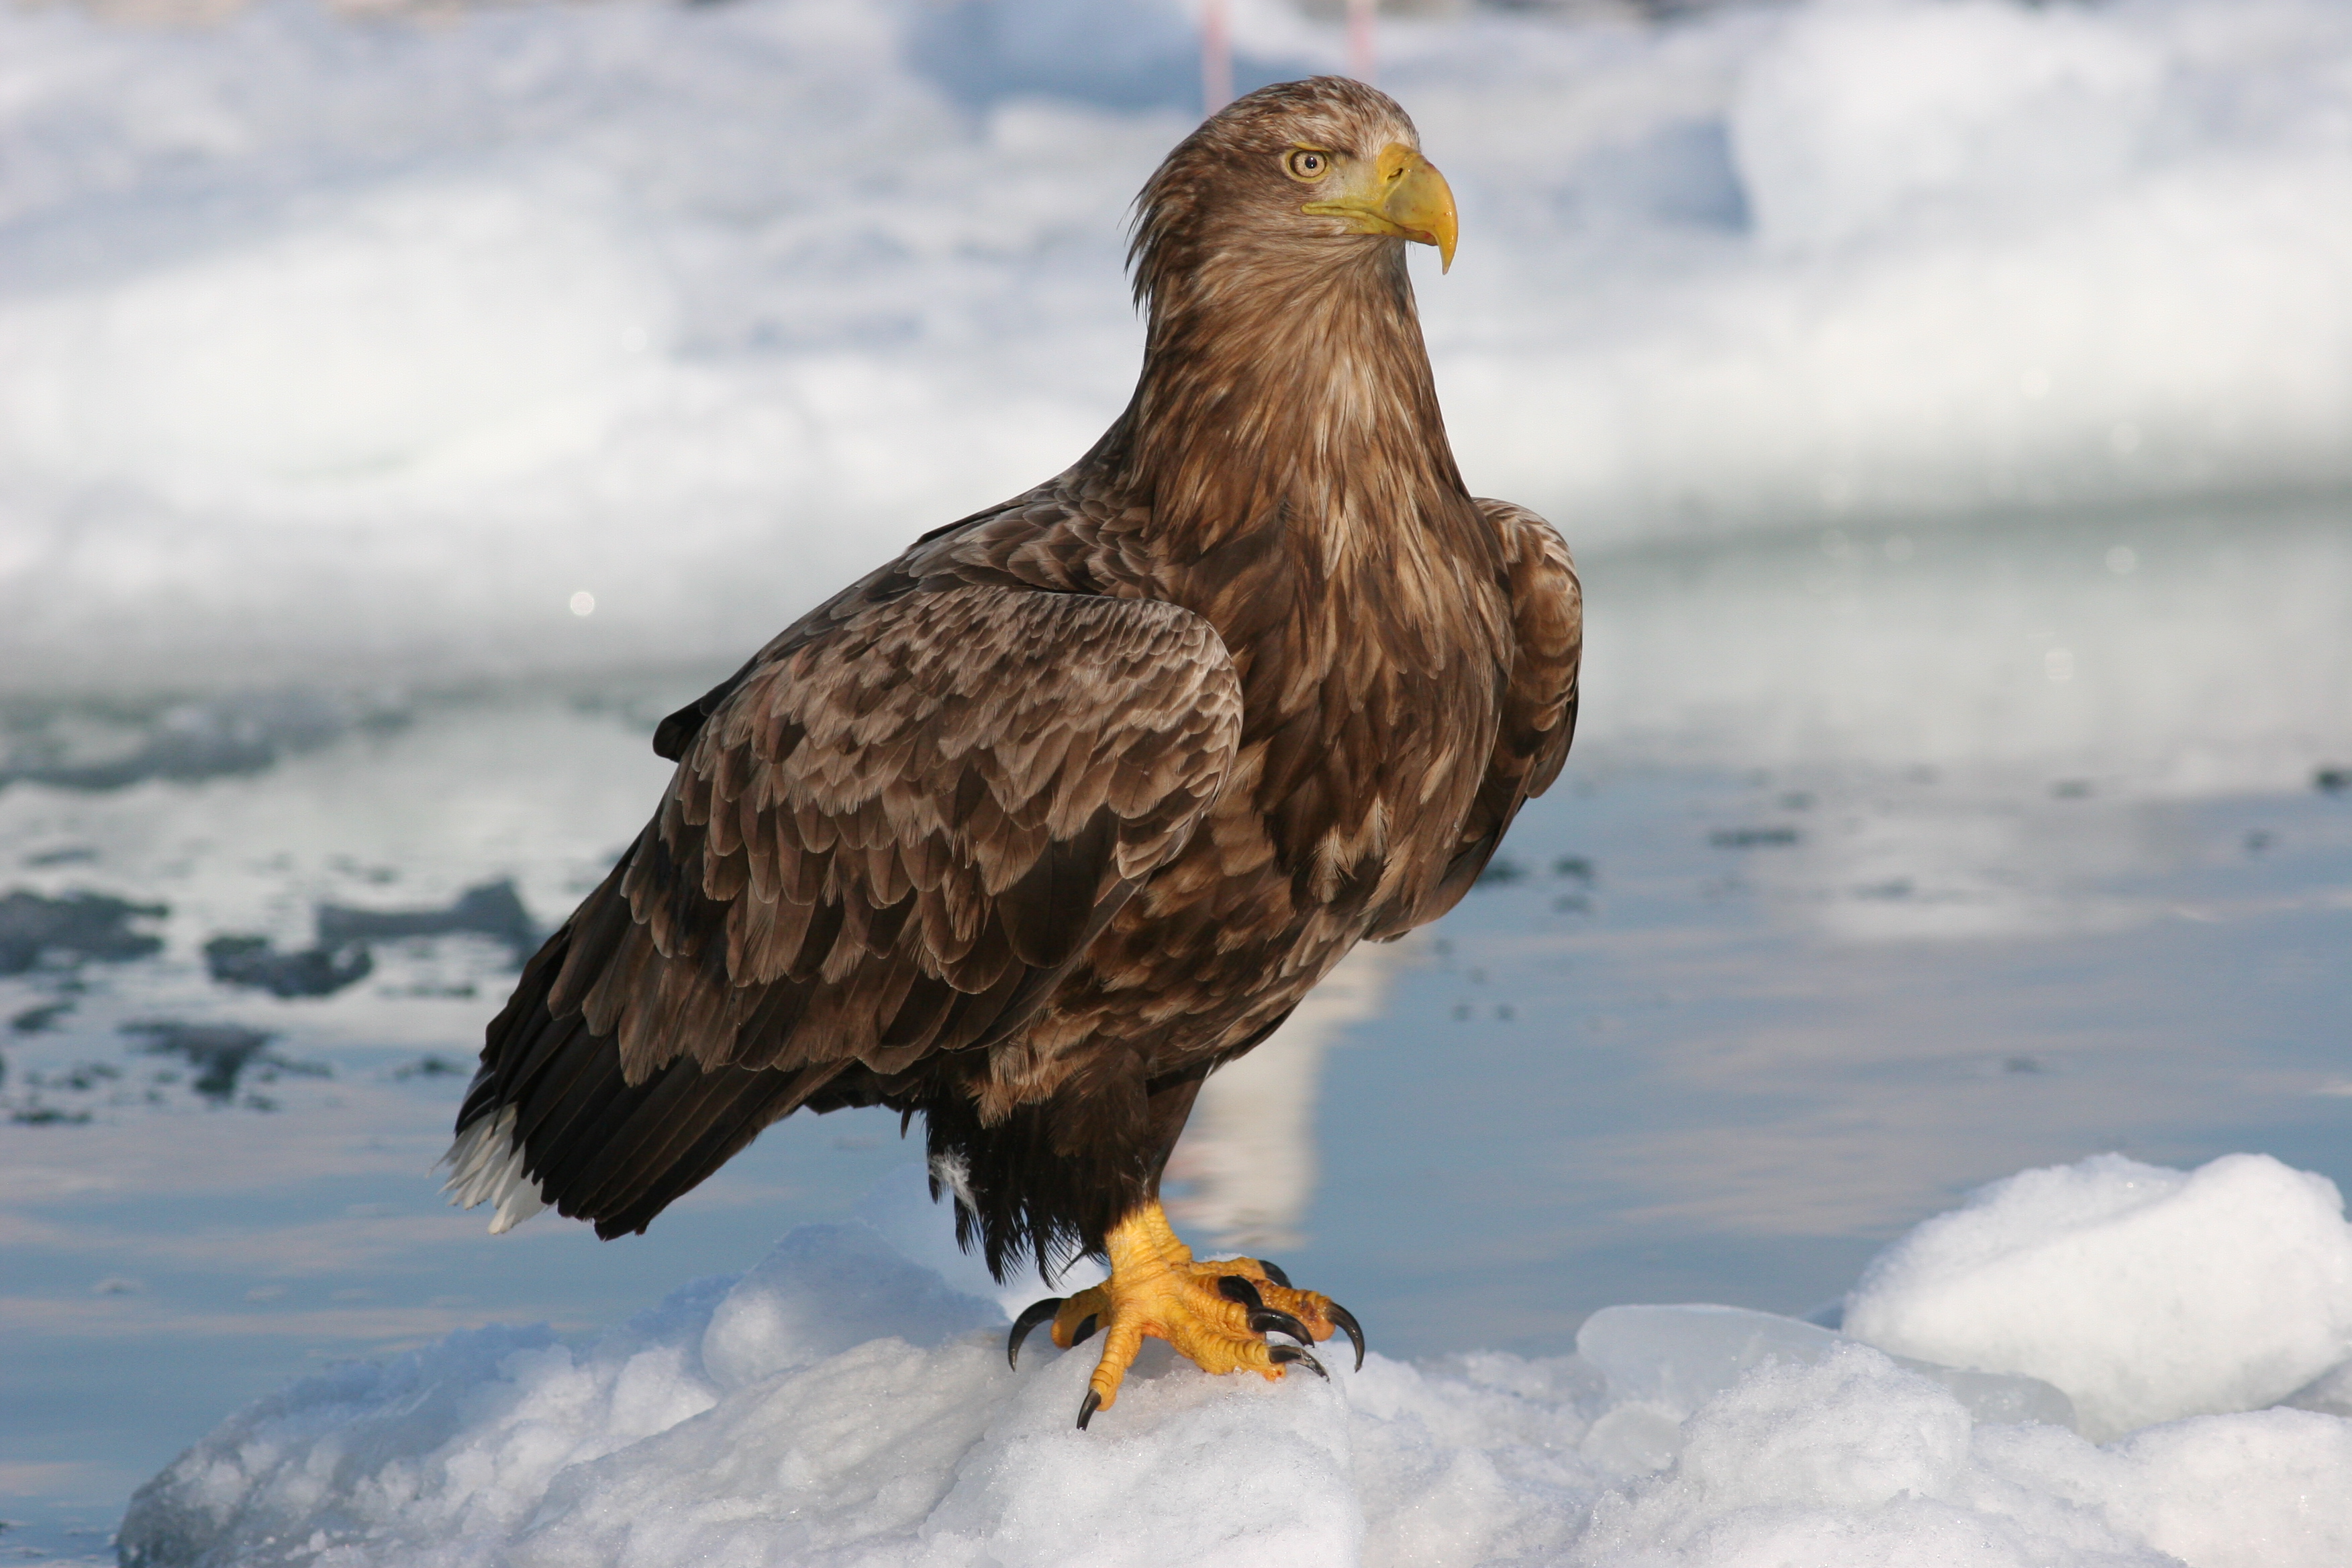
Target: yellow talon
{"points": [[1217, 1313]]}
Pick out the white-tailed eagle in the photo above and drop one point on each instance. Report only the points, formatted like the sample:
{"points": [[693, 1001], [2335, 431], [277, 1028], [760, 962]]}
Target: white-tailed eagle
{"points": [[1029, 830]]}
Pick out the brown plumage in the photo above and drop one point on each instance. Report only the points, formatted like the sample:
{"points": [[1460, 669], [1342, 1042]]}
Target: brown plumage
{"points": [[1029, 830]]}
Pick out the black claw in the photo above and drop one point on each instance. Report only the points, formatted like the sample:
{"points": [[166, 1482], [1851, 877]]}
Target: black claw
{"points": [[1092, 1403], [1274, 1272], [1086, 1330], [1034, 1313], [1274, 1320], [1283, 1355], [1347, 1326], [1237, 1287]]}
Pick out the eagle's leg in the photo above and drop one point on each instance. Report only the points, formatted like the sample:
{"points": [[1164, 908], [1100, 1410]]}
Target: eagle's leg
{"points": [[1218, 1313]]}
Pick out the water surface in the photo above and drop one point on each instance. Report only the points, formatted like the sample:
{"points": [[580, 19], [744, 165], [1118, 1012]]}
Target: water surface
{"points": [[1853, 897]]}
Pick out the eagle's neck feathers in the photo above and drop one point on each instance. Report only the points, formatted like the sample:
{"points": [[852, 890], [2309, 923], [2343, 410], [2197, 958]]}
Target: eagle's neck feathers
{"points": [[1289, 397]]}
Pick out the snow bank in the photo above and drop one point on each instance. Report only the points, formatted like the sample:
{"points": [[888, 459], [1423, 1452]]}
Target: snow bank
{"points": [[841, 1404], [1854, 1463], [2146, 1294], [371, 344], [1665, 1363], [760, 1420]]}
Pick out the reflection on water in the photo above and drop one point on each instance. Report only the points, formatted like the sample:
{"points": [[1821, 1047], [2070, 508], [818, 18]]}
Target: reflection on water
{"points": [[1853, 897], [1247, 1165]]}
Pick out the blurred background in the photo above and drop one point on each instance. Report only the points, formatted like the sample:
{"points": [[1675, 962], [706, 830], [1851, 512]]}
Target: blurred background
{"points": [[402, 404]]}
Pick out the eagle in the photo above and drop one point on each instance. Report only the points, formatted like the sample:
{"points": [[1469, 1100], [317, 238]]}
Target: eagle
{"points": [[1030, 830]]}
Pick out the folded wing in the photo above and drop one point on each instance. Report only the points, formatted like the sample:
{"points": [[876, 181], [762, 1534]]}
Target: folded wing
{"points": [[889, 841], [1538, 714]]}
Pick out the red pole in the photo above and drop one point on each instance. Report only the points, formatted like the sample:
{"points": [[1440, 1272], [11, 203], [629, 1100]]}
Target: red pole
{"points": [[1360, 38], [1216, 56]]}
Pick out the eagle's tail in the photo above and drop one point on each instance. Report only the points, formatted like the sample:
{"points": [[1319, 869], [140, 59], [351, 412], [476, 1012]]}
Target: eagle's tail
{"points": [[486, 1165], [551, 1121]]}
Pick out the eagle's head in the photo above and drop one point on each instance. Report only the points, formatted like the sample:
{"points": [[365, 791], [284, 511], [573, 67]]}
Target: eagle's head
{"points": [[1322, 176]]}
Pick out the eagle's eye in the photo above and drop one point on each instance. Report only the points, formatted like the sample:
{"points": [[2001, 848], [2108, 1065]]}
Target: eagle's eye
{"points": [[1305, 164]]}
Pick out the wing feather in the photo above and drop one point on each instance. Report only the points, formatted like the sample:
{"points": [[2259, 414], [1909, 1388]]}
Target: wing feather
{"points": [[1538, 713], [888, 839]]}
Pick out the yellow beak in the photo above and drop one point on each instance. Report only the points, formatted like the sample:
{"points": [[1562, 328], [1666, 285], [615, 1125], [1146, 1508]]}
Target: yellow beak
{"points": [[1403, 195]]}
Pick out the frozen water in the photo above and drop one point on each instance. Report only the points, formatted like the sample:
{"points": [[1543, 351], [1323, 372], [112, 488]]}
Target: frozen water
{"points": [[841, 1403], [370, 347], [2146, 1294], [1675, 1071]]}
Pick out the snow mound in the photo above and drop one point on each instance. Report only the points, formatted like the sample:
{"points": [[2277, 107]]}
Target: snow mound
{"points": [[760, 1420], [1855, 1462], [1664, 1363], [2146, 1294], [841, 1403]]}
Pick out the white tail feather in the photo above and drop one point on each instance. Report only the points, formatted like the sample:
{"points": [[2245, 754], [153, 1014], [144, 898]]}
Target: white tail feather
{"points": [[485, 1166]]}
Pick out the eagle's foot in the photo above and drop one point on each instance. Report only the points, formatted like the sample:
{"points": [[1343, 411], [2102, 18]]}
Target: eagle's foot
{"points": [[1217, 1313]]}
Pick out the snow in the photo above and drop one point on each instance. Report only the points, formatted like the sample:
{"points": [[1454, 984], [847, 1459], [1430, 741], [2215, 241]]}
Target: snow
{"points": [[1663, 1363], [841, 1403], [1856, 1462], [1862, 119], [2123, 1284], [370, 346]]}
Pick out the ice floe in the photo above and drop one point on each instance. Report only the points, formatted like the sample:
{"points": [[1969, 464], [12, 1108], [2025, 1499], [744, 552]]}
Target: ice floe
{"points": [[370, 342]]}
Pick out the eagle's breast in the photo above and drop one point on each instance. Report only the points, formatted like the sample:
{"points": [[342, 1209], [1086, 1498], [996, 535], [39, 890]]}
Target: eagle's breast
{"points": [[1368, 713]]}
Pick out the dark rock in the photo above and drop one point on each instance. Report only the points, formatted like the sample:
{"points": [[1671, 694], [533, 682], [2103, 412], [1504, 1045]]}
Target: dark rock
{"points": [[493, 909], [76, 928], [40, 1115], [242, 733], [1500, 873], [35, 1020], [1753, 838], [427, 1066], [2331, 780], [313, 971], [218, 1052]]}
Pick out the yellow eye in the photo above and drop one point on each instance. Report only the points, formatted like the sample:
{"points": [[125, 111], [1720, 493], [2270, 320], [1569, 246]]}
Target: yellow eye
{"points": [[1308, 164]]}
